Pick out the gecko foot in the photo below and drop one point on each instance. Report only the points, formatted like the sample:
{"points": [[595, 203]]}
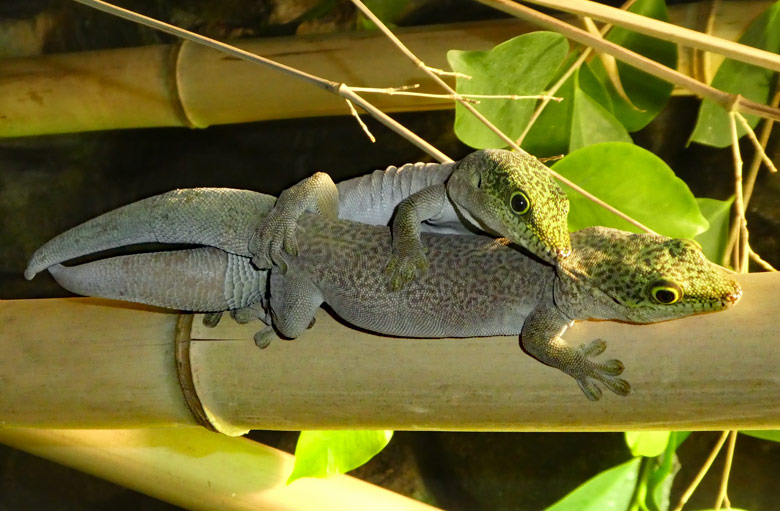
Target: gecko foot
{"points": [[210, 319], [275, 237], [264, 337], [606, 372], [404, 265]]}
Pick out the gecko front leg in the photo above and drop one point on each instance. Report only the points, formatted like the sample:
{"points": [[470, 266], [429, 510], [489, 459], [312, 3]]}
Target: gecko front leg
{"points": [[541, 338], [316, 194], [408, 253]]}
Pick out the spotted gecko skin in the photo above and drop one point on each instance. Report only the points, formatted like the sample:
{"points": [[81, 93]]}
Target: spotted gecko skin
{"points": [[476, 286]]}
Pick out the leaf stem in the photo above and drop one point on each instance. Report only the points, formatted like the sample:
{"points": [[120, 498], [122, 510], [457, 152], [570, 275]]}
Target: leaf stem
{"points": [[702, 472]]}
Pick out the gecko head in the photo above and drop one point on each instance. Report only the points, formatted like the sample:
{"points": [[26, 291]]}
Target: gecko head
{"points": [[645, 278], [513, 195]]}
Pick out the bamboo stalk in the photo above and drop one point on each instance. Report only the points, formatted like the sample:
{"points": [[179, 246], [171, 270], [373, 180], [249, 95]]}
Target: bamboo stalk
{"points": [[337, 377], [196, 87], [199, 470]]}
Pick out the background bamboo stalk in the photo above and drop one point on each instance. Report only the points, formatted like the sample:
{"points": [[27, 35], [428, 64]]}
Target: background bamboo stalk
{"points": [[199, 470], [714, 371], [189, 85]]}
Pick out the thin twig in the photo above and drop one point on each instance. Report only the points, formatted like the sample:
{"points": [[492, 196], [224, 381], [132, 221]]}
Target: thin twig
{"points": [[360, 121], [420, 64], [752, 136], [724, 481], [650, 66], [397, 91], [739, 202], [330, 86], [758, 260], [755, 165], [666, 31], [702, 472]]}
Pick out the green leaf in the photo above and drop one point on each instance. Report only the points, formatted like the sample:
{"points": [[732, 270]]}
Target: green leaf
{"points": [[647, 443], [592, 123], [584, 117], [328, 453], [647, 93], [388, 11], [713, 241], [763, 434], [659, 482], [636, 182], [753, 82], [610, 490], [523, 65]]}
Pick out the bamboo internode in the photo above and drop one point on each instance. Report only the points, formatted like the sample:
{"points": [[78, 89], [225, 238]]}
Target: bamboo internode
{"points": [[188, 85], [99, 364]]}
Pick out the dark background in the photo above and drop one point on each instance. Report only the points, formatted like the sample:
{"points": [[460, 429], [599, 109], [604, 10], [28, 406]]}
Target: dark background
{"points": [[51, 183]]}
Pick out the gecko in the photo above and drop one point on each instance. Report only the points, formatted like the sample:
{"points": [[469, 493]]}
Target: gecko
{"points": [[504, 193], [475, 285]]}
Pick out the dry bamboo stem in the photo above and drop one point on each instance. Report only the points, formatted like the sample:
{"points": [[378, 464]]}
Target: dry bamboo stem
{"points": [[337, 377], [197, 87], [199, 470], [666, 31]]}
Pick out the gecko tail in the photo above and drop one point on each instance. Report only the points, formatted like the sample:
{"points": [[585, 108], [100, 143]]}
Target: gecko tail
{"points": [[224, 218], [199, 280]]}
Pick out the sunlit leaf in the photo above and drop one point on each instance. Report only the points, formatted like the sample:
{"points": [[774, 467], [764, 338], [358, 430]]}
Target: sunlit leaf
{"points": [[636, 182], [610, 490], [659, 482], [592, 124], [648, 93], [753, 82], [523, 65], [388, 11], [647, 443], [763, 434], [713, 241], [327, 453]]}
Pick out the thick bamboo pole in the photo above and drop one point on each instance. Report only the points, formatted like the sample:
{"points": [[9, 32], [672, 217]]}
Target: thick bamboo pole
{"points": [[188, 85], [91, 363], [199, 470]]}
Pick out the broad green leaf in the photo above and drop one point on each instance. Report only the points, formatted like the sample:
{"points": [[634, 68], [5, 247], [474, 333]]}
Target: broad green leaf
{"points": [[610, 490], [647, 443], [753, 82], [549, 136], [328, 453], [592, 124], [763, 434], [713, 241], [636, 182], [584, 117], [386, 10], [659, 482], [523, 65], [647, 93]]}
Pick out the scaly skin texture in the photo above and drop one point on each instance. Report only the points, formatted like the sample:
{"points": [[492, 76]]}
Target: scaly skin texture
{"points": [[504, 193], [475, 286]]}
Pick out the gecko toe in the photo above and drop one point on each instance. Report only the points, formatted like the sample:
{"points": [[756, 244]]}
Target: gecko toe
{"points": [[589, 388]]}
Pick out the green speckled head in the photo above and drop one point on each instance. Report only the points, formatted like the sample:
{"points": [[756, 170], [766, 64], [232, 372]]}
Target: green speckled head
{"points": [[649, 277], [513, 195]]}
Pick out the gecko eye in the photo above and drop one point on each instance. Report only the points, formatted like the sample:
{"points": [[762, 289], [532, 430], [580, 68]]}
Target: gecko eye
{"points": [[666, 292], [519, 203]]}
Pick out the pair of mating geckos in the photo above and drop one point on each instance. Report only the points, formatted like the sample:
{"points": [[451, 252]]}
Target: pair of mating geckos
{"points": [[446, 282]]}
